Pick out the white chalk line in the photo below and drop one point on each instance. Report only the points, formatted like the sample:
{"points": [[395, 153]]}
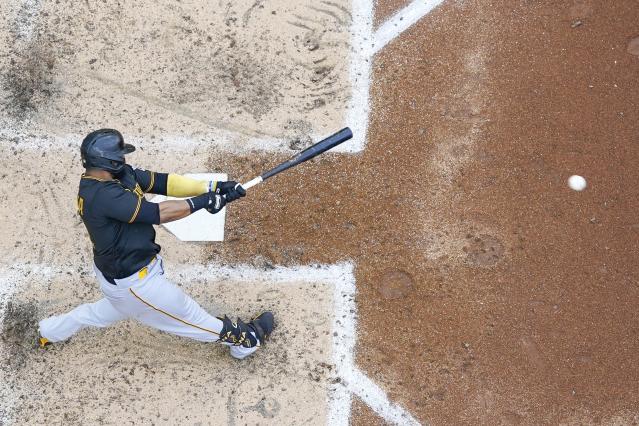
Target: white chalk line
{"points": [[344, 326], [340, 276], [401, 21], [358, 112], [373, 396]]}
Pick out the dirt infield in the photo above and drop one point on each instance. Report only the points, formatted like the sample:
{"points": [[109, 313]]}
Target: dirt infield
{"points": [[522, 308], [488, 292]]}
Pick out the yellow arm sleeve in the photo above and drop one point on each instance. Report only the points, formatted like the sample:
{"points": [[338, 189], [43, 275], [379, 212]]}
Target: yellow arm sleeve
{"points": [[182, 186]]}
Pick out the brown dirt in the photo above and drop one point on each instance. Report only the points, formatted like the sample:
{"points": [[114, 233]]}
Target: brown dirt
{"points": [[363, 415], [523, 309], [384, 9], [633, 46], [395, 285]]}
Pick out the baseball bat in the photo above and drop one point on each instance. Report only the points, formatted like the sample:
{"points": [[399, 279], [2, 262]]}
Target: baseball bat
{"points": [[310, 152]]}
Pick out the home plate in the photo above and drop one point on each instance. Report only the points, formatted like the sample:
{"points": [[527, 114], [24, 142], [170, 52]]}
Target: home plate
{"points": [[201, 225]]}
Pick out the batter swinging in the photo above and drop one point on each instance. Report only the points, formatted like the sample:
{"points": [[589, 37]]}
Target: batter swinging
{"points": [[127, 263]]}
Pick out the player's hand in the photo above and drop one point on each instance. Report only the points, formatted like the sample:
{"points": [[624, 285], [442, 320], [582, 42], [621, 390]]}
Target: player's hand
{"points": [[216, 203], [231, 190]]}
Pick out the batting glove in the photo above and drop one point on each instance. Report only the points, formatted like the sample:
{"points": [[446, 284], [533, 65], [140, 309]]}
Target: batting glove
{"points": [[216, 203], [231, 190]]}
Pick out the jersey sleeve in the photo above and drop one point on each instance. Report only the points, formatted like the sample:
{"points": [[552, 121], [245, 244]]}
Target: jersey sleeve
{"points": [[184, 186], [121, 204], [151, 182]]}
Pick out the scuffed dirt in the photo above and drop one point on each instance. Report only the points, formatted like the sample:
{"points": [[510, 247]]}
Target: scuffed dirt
{"points": [[153, 377], [229, 73], [483, 250], [29, 80], [19, 333], [395, 285]]}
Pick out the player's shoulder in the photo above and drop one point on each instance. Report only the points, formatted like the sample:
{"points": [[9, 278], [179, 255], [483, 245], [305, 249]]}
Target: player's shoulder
{"points": [[97, 194]]}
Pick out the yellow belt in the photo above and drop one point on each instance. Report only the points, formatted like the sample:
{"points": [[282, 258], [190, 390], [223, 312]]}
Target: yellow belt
{"points": [[144, 271]]}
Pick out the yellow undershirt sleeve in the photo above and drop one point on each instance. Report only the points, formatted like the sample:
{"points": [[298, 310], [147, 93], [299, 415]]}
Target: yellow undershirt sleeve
{"points": [[182, 186]]}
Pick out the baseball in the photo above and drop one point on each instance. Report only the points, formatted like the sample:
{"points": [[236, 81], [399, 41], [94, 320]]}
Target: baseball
{"points": [[577, 183]]}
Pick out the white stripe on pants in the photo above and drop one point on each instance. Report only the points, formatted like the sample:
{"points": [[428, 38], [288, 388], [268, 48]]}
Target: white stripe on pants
{"points": [[152, 300]]}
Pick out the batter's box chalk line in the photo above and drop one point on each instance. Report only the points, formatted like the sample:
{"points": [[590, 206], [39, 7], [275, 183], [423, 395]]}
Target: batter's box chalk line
{"points": [[401, 21], [365, 43], [352, 381]]}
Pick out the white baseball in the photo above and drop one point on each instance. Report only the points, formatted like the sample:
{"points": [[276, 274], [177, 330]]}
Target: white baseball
{"points": [[577, 183]]}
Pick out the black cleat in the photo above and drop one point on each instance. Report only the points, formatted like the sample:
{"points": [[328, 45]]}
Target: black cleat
{"points": [[263, 326], [249, 335]]}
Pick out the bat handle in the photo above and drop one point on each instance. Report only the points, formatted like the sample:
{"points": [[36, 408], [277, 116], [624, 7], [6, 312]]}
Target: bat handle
{"points": [[252, 182], [249, 184]]}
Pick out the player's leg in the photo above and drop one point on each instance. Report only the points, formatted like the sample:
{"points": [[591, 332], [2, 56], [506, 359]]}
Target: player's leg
{"points": [[97, 314], [163, 305]]}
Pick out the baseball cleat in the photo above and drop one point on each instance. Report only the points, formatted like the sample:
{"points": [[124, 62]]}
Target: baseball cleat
{"points": [[248, 335], [263, 326], [43, 342]]}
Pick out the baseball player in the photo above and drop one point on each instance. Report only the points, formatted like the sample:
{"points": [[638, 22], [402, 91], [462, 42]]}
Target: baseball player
{"points": [[126, 258]]}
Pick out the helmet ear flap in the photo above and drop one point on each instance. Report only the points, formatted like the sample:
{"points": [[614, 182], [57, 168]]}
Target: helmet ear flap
{"points": [[117, 166]]}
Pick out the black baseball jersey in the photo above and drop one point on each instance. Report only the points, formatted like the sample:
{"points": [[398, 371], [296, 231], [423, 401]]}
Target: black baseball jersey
{"points": [[120, 220]]}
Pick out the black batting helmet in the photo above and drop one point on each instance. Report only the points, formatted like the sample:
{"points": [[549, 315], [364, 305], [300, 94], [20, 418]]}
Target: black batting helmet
{"points": [[105, 149]]}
